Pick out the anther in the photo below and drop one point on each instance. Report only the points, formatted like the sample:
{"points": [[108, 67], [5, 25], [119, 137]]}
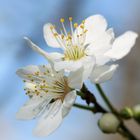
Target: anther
{"points": [[37, 73], [51, 27], [75, 25], [44, 73], [46, 91], [70, 18], [85, 31], [55, 34], [29, 76], [28, 92], [62, 20], [82, 26], [83, 21], [62, 36], [37, 93]]}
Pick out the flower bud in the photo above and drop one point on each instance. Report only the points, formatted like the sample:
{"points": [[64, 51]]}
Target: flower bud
{"points": [[109, 123], [126, 113], [136, 111]]}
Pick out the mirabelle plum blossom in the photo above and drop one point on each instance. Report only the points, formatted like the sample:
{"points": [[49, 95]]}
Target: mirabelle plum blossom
{"points": [[51, 96], [91, 46], [88, 51]]}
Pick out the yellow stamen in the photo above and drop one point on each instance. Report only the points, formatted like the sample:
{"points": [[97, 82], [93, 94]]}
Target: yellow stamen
{"points": [[74, 53], [70, 18], [62, 36], [55, 34], [85, 31], [44, 73], [75, 25], [82, 26], [83, 21], [62, 20], [51, 27]]}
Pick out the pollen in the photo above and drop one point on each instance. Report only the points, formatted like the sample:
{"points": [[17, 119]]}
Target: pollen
{"points": [[62, 20], [55, 34], [85, 31], [75, 25], [62, 36], [51, 27], [29, 76], [82, 26], [83, 21], [70, 18]]}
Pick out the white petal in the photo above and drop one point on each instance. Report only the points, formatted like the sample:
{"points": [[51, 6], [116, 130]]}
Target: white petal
{"points": [[102, 73], [37, 49], [68, 102], [122, 45], [32, 108], [45, 68], [102, 59], [111, 32], [49, 36], [28, 70], [67, 65], [75, 79], [96, 26], [56, 56], [101, 46], [50, 120], [88, 63]]}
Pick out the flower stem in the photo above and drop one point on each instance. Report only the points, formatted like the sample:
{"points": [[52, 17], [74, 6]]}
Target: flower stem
{"points": [[125, 131], [110, 106], [84, 107], [86, 95]]}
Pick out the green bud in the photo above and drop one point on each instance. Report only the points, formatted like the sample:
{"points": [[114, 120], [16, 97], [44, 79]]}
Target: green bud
{"points": [[136, 111], [127, 113], [109, 123]]}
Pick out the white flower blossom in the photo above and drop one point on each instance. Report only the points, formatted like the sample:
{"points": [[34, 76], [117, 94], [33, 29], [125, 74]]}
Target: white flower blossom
{"points": [[91, 46], [108, 52], [51, 96]]}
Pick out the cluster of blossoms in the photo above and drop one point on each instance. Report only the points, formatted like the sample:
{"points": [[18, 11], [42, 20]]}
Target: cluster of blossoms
{"points": [[88, 51]]}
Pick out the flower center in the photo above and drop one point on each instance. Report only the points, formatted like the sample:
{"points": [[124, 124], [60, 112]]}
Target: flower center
{"points": [[74, 53], [61, 88], [43, 83]]}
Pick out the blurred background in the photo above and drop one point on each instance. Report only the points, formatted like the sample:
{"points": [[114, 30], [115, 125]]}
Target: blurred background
{"points": [[20, 18]]}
